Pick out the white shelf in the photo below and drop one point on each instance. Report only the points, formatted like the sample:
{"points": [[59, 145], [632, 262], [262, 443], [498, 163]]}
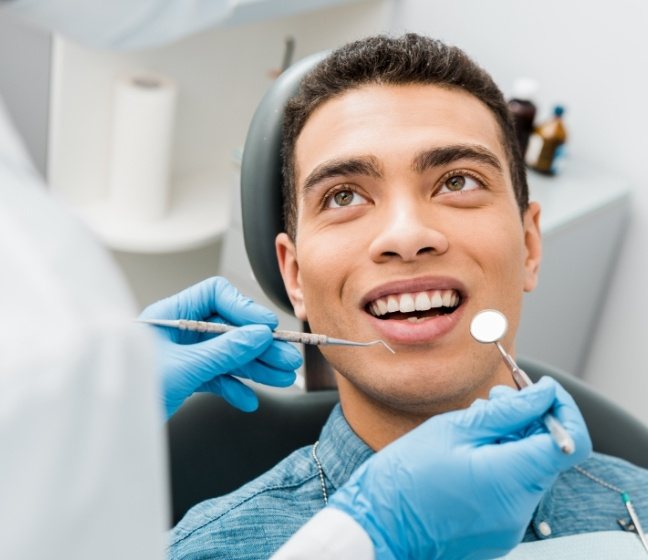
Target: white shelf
{"points": [[580, 189], [198, 216]]}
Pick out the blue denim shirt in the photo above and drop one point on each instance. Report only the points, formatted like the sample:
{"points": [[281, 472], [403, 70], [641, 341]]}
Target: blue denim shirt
{"points": [[255, 520]]}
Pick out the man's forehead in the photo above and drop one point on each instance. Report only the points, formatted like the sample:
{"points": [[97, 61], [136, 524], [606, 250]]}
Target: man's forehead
{"points": [[351, 123]]}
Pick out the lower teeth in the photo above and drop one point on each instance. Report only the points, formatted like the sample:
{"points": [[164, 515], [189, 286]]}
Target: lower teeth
{"points": [[415, 319]]}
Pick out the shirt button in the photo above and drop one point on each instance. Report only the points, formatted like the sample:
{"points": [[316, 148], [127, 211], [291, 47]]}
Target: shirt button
{"points": [[544, 528]]}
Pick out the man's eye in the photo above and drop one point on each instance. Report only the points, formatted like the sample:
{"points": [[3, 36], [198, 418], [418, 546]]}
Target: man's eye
{"points": [[343, 198], [460, 183]]}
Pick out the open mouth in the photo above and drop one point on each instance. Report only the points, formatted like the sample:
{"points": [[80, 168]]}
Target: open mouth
{"points": [[415, 307]]}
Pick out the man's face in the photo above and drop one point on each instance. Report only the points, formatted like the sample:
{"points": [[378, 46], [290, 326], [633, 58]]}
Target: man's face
{"points": [[407, 226]]}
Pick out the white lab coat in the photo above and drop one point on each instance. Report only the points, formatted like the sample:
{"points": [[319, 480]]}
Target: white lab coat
{"points": [[82, 472], [81, 432]]}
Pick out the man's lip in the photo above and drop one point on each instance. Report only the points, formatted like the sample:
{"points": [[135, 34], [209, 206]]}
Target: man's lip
{"points": [[430, 330], [413, 285]]}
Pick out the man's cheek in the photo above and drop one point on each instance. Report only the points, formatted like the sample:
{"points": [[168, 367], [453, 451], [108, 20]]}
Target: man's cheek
{"points": [[319, 305]]}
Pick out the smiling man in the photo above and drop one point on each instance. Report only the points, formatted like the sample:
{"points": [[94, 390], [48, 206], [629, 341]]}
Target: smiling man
{"points": [[406, 225], [406, 211]]}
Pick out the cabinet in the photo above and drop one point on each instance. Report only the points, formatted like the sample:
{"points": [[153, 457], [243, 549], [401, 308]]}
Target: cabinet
{"points": [[584, 212]]}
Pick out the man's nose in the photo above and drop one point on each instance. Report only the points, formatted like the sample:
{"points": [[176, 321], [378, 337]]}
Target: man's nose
{"points": [[407, 231]]}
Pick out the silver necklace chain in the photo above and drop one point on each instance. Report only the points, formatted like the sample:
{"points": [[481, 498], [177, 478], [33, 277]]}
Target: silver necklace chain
{"points": [[320, 470], [598, 480]]}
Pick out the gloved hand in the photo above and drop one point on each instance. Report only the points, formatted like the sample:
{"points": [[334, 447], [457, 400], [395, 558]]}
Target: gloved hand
{"points": [[464, 485], [192, 361]]}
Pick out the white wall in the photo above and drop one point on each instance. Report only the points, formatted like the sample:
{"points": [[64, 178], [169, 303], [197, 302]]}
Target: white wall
{"points": [[24, 83], [593, 58]]}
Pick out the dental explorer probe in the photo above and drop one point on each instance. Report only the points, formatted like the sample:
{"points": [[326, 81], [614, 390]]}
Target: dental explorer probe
{"points": [[288, 336], [490, 326]]}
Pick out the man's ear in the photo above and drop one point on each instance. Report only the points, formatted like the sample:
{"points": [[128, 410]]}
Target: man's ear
{"points": [[289, 268], [533, 246]]}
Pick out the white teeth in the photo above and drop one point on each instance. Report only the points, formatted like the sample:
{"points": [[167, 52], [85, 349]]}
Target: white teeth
{"points": [[410, 302], [422, 302], [392, 304], [406, 303]]}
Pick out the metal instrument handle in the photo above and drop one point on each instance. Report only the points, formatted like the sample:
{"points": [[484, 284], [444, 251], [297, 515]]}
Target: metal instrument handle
{"points": [[299, 337]]}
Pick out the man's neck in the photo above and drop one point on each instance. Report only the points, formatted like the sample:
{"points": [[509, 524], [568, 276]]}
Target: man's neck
{"points": [[378, 424]]}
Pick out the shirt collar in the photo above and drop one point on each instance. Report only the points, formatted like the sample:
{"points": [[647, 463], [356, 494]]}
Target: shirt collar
{"points": [[340, 450]]}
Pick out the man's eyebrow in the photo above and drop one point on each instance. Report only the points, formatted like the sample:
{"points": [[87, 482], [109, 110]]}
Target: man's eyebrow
{"points": [[445, 155], [364, 165]]}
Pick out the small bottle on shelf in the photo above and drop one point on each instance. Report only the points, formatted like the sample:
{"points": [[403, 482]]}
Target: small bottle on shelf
{"points": [[546, 144], [523, 110]]}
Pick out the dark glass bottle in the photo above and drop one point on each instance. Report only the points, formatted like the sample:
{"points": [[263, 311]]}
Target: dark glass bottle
{"points": [[523, 110]]}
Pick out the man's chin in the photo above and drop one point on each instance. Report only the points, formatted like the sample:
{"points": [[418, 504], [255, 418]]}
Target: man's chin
{"points": [[410, 399]]}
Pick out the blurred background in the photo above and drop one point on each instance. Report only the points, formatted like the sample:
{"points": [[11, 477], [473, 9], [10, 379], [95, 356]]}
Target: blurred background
{"points": [[588, 315]]}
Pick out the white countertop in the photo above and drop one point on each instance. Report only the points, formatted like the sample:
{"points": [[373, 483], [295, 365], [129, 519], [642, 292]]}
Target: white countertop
{"points": [[578, 190]]}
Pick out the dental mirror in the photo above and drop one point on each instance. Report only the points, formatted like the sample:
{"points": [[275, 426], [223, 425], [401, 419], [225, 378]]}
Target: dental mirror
{"points": [[488, 326]]}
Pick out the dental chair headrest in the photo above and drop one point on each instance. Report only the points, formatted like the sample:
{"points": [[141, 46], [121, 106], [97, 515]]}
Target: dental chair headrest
{"points": [[261, 180]]}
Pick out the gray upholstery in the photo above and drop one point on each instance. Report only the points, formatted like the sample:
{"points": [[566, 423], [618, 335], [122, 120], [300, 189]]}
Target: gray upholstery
{"points": [[214, 448], [261, 180]]}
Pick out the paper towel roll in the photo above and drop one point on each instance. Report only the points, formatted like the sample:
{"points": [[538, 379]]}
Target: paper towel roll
{"points": [[141, 145]]}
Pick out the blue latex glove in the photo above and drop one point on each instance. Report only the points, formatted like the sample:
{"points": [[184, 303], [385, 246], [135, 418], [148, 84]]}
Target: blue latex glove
{"points": [[192, 361], [464, 485]]}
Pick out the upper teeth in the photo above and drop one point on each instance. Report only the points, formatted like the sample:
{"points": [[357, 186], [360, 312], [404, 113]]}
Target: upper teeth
{"points": [[417, 301]]}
